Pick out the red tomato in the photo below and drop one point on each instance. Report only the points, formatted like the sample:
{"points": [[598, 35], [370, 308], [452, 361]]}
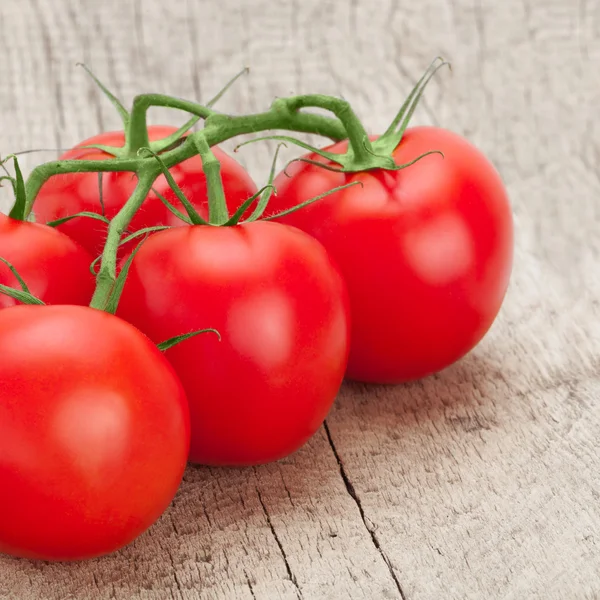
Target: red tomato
{"points": [[280, 306], [426, 252], [54, 267], [94, 432], [64, 195]]}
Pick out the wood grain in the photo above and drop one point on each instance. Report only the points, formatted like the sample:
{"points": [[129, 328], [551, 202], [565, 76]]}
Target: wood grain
{"points": [[478, 483]]}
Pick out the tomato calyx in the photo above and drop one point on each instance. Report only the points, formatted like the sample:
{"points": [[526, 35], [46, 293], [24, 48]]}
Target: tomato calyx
{"points": [[388, 142], [168, 344], [217, 205], [362, 154], [19, 209]]}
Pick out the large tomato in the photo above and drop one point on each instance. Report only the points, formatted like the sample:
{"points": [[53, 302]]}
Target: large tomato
{"points": [[54, 267], [94, 432], [281, 308], [65, 195], [426, 251]]}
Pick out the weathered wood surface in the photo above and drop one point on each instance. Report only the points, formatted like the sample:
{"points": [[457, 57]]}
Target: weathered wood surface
{"points": [[481, 482]]}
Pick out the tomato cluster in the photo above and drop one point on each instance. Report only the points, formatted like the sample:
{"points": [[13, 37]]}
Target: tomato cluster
{"points": [[396, 271]]}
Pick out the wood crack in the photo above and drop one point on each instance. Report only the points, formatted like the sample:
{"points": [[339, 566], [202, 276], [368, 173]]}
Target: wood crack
{"points": [[369, 527], [288, 567], [250, 586]]}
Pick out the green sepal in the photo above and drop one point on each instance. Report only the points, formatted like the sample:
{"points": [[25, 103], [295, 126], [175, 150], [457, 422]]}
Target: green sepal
{"points": [[239, 213], [23, 295], [171, 141], [128, 239], [300, 206], [414, 160], [195, 218], [18, 211], [167, 344], [112, 150], [268, 190], [123, 112], [117, 290], [14, 271], [176, 137], [388, 142], [20, 296], [85, 214], [171, 208], [347, 160], [287, 138]]}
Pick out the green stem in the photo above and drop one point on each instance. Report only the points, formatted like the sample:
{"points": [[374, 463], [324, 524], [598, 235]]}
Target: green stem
{"points": [[108, 269], [282, 115], [137, 133], [217, 205], [357, 136], [219, 129], [42, 173]]}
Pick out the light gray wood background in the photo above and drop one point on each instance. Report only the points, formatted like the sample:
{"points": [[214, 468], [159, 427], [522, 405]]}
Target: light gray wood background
{"points": [[479, 483]]}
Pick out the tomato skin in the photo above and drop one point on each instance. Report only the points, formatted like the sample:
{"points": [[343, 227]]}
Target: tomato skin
{"points": [[94, 432], [68, 194], [426, 251], [54, 267], [281, 308]]}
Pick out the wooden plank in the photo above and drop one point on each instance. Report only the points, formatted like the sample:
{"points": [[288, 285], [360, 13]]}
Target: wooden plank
{"points": [[480, 482]]}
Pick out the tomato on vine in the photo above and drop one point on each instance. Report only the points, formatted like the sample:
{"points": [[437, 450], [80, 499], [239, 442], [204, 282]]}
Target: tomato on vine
{"points": [[425, 245], [94, 432], [426, 252], [281, 308], [396, 265]]}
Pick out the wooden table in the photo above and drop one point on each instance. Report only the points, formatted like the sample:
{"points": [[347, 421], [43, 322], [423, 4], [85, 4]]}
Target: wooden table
{"points": [[481, 482]]}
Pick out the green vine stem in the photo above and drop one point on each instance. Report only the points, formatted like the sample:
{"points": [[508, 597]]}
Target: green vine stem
{"points": [[147, 160], [218, 128], [137, 131], [43, 172], [107, 273], [358, 138], [284, 114], [217, 205]]}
